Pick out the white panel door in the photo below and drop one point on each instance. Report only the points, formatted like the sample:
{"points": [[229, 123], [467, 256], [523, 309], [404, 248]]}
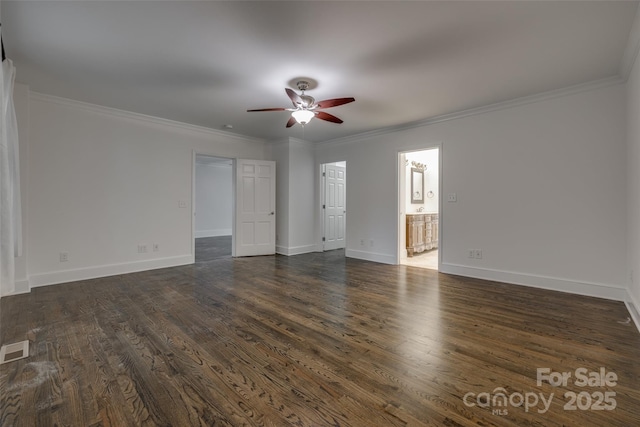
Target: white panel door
{"points": [[255, 218], [335, 211]]}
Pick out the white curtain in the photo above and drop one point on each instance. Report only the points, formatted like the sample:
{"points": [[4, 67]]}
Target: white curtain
{"points": [[10, 212]]}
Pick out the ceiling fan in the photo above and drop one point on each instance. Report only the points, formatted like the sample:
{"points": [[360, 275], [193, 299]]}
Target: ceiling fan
{"points": [[306, 107]]}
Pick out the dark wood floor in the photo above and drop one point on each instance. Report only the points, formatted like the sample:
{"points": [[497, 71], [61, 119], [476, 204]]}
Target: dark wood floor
{"points": [[309, 340], [213, 248]]}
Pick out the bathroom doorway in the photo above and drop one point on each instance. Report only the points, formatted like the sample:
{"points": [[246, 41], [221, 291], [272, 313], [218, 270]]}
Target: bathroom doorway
{"points": [[419, 207]]}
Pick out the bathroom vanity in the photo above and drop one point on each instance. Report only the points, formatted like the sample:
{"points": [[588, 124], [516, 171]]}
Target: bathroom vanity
{"points": [[422, 232]]}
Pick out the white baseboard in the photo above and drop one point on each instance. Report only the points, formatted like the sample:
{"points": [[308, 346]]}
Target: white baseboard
{"points": [[634, 309], [295, 250], [213, 233], [371, 256], [551, 283], [22, 287], [56, 277], [16, 292]]}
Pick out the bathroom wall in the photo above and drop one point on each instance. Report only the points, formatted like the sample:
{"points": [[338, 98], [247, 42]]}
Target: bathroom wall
{"points": [[431, 173]]}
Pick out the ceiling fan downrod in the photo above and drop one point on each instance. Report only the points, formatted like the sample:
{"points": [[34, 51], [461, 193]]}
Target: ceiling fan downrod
{"points": [[302, 85]]}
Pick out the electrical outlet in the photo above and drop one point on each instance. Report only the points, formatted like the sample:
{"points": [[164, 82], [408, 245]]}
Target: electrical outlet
{"points": [[142, 249], [361, 242], [478, 254], [182, 204], [371, 243], [452, 197], [64, 256], [156, 247], [471, 253]]}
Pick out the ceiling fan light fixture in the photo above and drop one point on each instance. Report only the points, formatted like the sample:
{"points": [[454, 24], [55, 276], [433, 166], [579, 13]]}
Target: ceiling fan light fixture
{"points": [[306, 108], [303, 116]]}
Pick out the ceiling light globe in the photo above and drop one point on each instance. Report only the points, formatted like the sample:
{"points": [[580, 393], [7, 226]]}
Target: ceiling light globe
{"points": [[303, 116]]}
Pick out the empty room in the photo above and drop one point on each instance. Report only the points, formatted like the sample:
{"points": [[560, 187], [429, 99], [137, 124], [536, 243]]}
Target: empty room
{"points": [[221, 213]]}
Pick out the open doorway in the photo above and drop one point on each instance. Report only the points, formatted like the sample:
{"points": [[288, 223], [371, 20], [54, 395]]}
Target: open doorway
{"points": [[334, 210], [213, 215], [419, 226]]}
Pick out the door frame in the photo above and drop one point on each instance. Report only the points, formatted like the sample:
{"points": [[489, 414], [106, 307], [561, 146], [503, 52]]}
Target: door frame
{"points": [[320, 200], [323, 193], [193, 200], [400, 198]]}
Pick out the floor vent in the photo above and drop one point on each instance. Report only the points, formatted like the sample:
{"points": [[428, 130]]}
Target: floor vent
{"points": [[15, 351]]}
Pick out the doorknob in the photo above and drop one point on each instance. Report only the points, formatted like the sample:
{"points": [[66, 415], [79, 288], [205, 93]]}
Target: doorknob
{"points": [[272, 213]]}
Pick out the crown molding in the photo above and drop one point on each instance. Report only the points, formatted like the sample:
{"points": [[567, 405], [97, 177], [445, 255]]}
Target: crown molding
{"points": [[115, 112], [557, 93], [631, 49], [516, 102]]}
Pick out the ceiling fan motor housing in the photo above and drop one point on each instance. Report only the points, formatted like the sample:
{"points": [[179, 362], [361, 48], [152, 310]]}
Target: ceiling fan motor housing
{"points": [[307, 101]]}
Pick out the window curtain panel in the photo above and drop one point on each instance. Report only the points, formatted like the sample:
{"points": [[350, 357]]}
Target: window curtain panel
{"points": [[10, 211]]}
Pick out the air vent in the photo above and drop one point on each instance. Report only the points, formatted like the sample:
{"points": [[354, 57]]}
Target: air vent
{"points": [[15, 351]]}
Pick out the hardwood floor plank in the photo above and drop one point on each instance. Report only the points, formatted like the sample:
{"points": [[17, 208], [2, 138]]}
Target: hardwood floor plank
{"points": [[311, 340]]}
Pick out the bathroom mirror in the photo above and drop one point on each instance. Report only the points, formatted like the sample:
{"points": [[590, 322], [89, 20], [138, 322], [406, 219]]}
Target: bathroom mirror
{"points": [[417, 185]]}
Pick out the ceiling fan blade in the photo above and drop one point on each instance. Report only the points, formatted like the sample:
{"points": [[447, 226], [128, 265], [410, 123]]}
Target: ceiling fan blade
{"points": [[291, 122], [295, 98], [267, 109], [334, 102], [328, 117]]}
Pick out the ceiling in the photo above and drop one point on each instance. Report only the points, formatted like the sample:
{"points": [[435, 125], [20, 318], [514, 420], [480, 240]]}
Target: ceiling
{"points": [[207, 62]]}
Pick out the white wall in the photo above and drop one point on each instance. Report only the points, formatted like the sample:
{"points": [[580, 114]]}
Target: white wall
{"points": [[280, 154], [103, 181], [540, 189], [21, 103], [295, 196], [302, 213], [633, 186], [214, 199]]}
